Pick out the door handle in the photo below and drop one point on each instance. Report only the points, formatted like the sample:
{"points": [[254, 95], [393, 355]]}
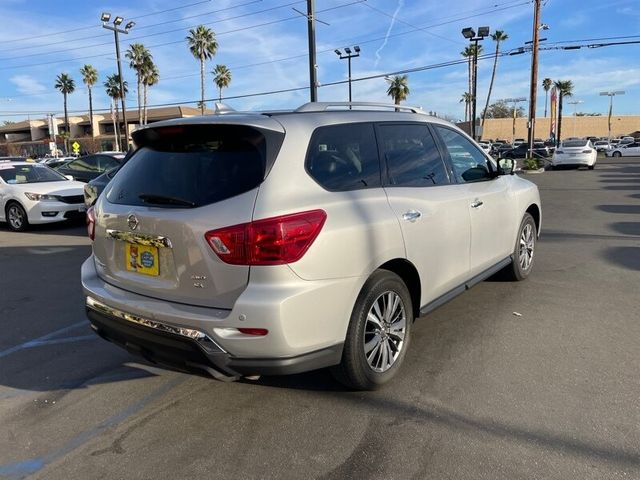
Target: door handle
{"points": [[411, 215], [477, 204]]}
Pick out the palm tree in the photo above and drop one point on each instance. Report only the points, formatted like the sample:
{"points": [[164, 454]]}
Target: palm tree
{"points": [[547, 83], [565, 89], [138, 56], [66, 85], [466, 98], [498, 36], [470, 52], [203, 46], [398, 88], [150, 77], [222, 78], [112, 87], [89, 78]]}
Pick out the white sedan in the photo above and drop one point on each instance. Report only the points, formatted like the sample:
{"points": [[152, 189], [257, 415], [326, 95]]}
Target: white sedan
{"points": [[575, 153], [34, 193], [629, 150]]}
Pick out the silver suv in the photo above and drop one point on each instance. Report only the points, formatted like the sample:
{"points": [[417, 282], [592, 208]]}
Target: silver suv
{"points": [[275, 243]]}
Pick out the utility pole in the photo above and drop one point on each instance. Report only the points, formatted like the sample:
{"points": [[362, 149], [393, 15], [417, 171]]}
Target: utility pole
{"points": [[534, 77], [311, 30]]}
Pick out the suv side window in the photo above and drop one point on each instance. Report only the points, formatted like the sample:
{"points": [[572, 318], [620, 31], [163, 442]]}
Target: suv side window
{"points": [[468, 161], [85, 164], [344, 157], [411, 155], [107, 163]]}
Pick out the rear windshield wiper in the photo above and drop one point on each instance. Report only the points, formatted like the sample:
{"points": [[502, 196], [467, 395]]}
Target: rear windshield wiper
{"points": [[163, 200]]}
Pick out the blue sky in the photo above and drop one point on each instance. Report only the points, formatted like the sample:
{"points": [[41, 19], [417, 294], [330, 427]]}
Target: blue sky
{"points": [[264, 43]]}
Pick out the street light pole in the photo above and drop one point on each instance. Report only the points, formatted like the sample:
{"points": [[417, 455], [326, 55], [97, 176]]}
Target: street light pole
{"points": [[348, 55], [470, 34], [575, 104], [611, 95], [116, 23], [515, 102]]}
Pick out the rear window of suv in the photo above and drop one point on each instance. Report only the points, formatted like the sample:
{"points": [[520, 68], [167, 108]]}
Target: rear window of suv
{"points": [[194, 165]]}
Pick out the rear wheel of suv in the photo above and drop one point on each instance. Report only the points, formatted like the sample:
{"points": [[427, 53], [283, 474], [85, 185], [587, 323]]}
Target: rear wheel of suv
{"points": [[378, 333], [617, 154], [523, 253]]}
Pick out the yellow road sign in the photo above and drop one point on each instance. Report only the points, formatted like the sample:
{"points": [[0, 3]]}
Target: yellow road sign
{"points": [[76, 147]]}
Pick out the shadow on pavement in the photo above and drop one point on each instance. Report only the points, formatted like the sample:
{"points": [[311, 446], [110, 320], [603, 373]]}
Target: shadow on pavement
{"points": [[75, 227], [626, 228], [624, 209], [625, 257]]}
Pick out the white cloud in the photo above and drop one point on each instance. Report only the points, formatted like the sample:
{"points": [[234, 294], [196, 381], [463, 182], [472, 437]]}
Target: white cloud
{"points": [[27, 84]]}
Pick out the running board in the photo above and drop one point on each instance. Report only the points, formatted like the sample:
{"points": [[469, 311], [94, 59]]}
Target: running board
{"points": [[451, 294]]}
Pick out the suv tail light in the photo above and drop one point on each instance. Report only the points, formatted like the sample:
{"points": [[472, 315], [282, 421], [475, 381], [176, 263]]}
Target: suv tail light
{"points": [[272, 241], [91, 223]]}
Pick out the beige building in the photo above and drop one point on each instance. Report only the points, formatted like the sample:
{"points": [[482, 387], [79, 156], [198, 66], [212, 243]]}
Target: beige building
{"points": [[502, 128], [32, 137]]}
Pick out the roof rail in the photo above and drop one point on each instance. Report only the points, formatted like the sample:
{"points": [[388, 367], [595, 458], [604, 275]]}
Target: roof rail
{"points": [[323, 106]]}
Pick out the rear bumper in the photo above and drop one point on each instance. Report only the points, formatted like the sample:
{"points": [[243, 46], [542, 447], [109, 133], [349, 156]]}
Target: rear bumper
{"points": [[173, 349], [575, 161]]}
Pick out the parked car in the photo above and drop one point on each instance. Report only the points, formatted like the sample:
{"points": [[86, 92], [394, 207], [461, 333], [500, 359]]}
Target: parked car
{"points": [[55, 162], [575, 153], [625, 150], [521, 151], [485, 146], [519, 141], [32, 193], [13, 159], [89, 167], [251, 244], [94, 188], [602, 146]]}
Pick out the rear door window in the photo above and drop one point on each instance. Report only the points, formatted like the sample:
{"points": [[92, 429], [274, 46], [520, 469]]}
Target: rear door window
{"points": [[411, 155], [344, 157], [194, 165], [468, 161]]}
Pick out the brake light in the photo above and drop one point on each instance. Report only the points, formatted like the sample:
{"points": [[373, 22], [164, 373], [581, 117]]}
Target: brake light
{"points": [[271, 241], [256, 332], [91, 223]]}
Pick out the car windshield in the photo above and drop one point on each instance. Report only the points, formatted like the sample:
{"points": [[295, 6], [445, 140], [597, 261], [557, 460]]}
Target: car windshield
{"points": [[575, 143], [36, 173]]}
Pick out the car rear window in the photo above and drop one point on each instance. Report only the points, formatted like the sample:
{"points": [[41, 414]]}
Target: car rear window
{"points": [[574, 143], [194, 165]]}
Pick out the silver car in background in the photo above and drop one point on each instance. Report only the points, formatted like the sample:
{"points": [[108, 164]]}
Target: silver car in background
{"points": [[249, 244]]}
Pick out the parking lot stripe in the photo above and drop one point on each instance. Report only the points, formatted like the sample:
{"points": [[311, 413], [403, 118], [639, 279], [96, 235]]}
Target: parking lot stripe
{"points": [[40, 340]]}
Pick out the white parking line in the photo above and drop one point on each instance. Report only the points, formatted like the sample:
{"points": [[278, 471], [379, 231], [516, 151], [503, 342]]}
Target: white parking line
{"points": [[48, 339]]}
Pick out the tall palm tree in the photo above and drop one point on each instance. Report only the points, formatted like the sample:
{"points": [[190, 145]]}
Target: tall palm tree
{"points": [[222, 78], [565, 89], [150, 77], [466, 98], [547, 83], [470, 52], [138, 56], [66, 85], [89, 78], [498, 37], [398, 88], [203, 46], [112, 87]]}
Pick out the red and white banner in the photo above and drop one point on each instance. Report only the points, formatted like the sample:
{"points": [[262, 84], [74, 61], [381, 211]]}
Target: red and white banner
{"points": [[554, 107]]}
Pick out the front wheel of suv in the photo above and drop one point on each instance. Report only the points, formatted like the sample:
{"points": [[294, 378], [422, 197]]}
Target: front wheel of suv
{"points": [[524, 250], [378, 333]]}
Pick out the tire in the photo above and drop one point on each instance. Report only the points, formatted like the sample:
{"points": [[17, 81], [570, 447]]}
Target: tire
{"points": [[523, 251], [591, 167], [16, 217], [358, 370], [616, 154]]}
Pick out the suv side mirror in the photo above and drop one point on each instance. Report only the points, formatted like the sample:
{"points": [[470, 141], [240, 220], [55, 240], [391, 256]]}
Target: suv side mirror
{"points": [[506, 166]]}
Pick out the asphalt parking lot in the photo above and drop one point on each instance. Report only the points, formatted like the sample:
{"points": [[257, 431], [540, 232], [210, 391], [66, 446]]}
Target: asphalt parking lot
{"points": [[538, 379]]}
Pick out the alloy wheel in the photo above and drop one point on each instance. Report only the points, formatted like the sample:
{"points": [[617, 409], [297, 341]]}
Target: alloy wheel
{"points": [[16, 217], [527, 244], [384, 331]]}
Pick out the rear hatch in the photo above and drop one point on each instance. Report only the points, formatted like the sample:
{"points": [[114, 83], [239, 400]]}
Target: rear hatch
{"points": [[573, 148], [185, 179]]}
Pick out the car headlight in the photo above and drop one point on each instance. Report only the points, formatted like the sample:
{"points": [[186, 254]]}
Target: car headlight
{"points": [[36, 197]]}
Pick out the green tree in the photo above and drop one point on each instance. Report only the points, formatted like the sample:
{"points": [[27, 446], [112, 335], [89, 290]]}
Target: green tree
{"points": [[498, 37], [89, 78], [398, 88], [138, 56], [203, 46], [501, 109], [150, 77], [112, 87], [565, 89], [66, 85], [222, 78], [547, 83]]}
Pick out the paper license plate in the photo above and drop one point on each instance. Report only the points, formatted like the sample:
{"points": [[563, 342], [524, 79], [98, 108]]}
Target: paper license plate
{"points": [[573, 154], [142, 259]]}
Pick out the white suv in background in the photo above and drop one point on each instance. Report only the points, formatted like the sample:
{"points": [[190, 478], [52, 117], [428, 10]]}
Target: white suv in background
{"points": [[275, 243]]}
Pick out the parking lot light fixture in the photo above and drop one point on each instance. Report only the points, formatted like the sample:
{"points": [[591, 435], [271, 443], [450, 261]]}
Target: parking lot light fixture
{"points": [[348, 55], [611, 95], [114, 28], [470, 34]]}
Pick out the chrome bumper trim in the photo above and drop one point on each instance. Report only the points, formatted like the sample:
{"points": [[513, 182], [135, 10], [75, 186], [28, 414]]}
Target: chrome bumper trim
{"points": [[140, 238], [204, 340]]}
